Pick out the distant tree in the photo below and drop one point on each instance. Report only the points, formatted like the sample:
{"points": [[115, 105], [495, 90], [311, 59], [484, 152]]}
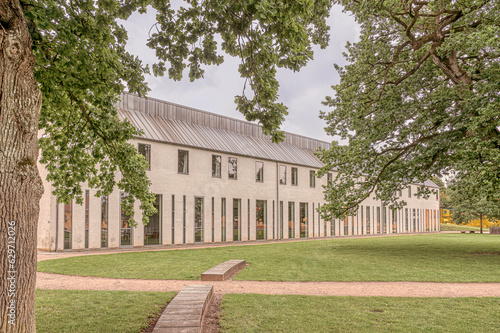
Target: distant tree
{"points": [[419, 97], [469, 202], [63, 66]]}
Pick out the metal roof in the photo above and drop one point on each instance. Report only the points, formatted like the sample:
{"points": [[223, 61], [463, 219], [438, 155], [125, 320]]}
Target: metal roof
{"points": [[171, 123]]}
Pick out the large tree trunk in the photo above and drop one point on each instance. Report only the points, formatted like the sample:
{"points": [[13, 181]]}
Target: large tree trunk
{"points": [[20, 183]]}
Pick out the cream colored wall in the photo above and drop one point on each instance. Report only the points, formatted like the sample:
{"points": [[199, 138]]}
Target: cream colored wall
{"points": [[166, 181]]}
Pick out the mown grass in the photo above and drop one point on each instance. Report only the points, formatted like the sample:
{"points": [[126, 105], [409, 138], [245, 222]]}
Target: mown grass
{"points": [[457, 227], [84, 311], [292, 313], [434, 257]]}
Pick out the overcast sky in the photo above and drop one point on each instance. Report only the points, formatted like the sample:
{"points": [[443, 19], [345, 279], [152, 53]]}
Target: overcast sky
{"points": [[302, 92]]}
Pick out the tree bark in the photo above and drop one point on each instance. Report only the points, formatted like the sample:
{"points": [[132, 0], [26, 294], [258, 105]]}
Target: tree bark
{"points": [[481, 222], [20, 183]]}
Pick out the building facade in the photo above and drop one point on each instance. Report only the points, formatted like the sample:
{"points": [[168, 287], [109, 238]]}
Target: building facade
{"points": [[216, 180]]}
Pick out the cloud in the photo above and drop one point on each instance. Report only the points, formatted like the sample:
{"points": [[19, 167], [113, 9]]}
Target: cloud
{"points": [[301, 91]]}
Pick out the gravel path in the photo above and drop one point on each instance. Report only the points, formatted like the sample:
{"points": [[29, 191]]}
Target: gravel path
{"points": [[395, 289]]}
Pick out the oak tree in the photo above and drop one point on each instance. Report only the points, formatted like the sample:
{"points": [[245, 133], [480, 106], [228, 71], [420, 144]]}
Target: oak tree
{"points": [[420, 96]]}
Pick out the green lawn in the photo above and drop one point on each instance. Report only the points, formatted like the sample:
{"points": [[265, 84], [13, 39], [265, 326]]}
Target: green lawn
{"points": [[457, 227], [75, 311], [434, 257], [280, 313]]}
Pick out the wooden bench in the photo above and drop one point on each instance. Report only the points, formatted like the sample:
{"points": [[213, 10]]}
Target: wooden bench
{"points": [[222, 271], [185, 312]]}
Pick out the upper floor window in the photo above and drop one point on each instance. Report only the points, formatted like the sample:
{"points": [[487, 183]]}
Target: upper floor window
{"points": [[295, 176], [312, 178], [232, 168], [437, 195], [259, 171], [330, 178], [409, 191], [216, 166], [183, 161], [283, 174], [145, 150]]}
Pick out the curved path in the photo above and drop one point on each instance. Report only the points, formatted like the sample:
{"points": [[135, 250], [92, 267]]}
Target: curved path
{"points": [[394, 289]]}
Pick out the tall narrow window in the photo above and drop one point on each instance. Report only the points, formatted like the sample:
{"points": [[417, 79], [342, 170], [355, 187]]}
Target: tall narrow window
{"points": [[368, 220], [223, 220], [332, 227], [394, 220], [183, 161], [361, 226], [145, 150], [281, 221], [291, 220], [409, 191], [232, 168], [259, 171], [330, 178], [283, 174], [213, 221], [216, 166], [304, 223], [384, 219], [198, 220], [68, 225], [312, 178], [261, 219], [437, 195], [379, 230], [87, 217], [152, 229], [104, 220], [406, 219], [295, 176], [125, 227], [414, 220], [236, 220]]}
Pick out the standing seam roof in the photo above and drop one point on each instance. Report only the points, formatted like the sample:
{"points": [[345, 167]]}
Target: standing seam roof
{"points": [[170, 123]]}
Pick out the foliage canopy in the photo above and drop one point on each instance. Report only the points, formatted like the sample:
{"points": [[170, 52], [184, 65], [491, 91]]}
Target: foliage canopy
{"points": [[420, 97]]}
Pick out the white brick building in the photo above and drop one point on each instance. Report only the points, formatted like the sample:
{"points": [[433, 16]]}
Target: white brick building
{"points": [[219, 179]]}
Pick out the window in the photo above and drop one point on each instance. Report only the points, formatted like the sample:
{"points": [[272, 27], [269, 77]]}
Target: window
{"points": [[330, 178], [223, 220], [198, 220], [259, 171], [409, 191], [232, 168], [152, 229], [312, 178], [236, 220], [216, 166], [183, 161], [145, 150], [125, 227], [68, 227], [291, 219], [304, 223], [295, 176], [283, 174], [368, 231], [261, 219], [437, 195], [104, 221]]}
